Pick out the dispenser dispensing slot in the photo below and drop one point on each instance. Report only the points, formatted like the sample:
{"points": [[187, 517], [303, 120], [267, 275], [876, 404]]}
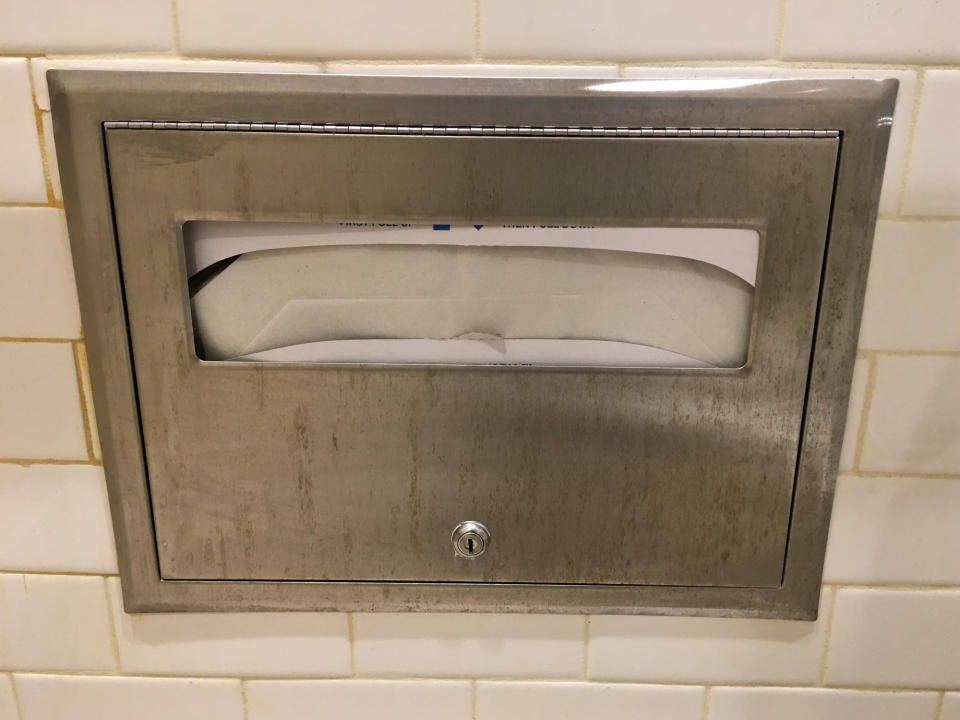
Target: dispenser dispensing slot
{"points": [[472, 294]]}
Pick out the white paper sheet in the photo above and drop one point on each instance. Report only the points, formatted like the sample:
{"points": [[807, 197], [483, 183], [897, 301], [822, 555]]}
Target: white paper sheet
{"points": [[294, 318], [733, 249]]}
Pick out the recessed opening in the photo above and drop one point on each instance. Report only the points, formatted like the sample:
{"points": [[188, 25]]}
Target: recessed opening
{"points": [[471, 294]]}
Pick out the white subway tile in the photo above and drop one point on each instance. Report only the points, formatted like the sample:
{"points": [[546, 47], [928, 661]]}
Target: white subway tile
{"points": [[8, 703], [951, 707], [474, 70], [54, 623], [918, 31], [21, 172], [53, 697], [755, 703], [615, 30], [933, 181], [263, 644], [458, 645], [711, 650], [55, 518], [913, 288], [858, 390], [894, 531], [39, 67], [358, 699], [37, 290], [575, 700], [895, 638], [64, 26], [301, 28], [902, 111], [913, 424], [40, 415]]}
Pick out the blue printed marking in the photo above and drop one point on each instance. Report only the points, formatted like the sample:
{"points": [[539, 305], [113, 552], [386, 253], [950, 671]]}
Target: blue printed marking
{"points": [[441, 227]]}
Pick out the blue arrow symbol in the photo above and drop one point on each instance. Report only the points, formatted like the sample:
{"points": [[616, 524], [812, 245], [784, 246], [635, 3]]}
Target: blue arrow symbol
{"points": [[478, 226]]}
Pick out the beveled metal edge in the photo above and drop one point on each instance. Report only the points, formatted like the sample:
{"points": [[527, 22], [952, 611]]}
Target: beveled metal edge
{"points": [[861, 110]]}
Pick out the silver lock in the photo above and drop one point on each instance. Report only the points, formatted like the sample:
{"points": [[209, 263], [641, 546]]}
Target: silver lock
{"points": [[470, 539]]}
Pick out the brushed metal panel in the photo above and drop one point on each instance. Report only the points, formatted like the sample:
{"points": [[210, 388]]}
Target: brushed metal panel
{"points": [[84, 100], [340, 473]]}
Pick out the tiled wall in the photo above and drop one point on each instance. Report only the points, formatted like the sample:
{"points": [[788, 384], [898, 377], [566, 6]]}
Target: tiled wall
{"points": [[887, 644]]}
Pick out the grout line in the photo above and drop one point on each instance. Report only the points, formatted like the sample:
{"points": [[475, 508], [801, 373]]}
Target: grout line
{"points": [[903, 474], [586, 648], [243, 689], [350, 638], [705, 710], [79, 364], [36, 340], [473, 699], [27, 462], [865, 410], [18, 711], [476, 30], [828, 632], [53, 573], [41, 137], [114, 642], [881, 587], [454, 679], [920, 218], [938, 713], [913, 353], [911, 137], [175, 18], [5, 204], [778, 32]]}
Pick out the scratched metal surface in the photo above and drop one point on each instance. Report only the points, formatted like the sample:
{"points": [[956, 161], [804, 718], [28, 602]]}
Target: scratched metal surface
{"points": [[614, 477]]}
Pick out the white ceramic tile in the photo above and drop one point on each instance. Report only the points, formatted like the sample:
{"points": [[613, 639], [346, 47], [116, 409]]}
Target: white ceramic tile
{"points": [[933, 182], [301, 28], [894, 531], [951, 707], [39, 67], [53, 697], [728, 703], [712, 650], [358, 699], [55, 518], [617, 30], [263, 644], [37, 290], [88, 399], [474, 70], [65, 26], [913, 424], [50, 151], [918, 31], [8, 704], [21, 172], [902, 111], [40, 414], [458, 645], [895, 638], [597, 701], [913, 287], [858, 389], [54, 623]]}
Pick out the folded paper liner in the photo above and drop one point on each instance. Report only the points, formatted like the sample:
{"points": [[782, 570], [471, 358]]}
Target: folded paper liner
{"points": [[497, 295]]}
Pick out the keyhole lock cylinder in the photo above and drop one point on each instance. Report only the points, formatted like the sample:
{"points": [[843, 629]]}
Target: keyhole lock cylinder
{"points": [[470, 539]]}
